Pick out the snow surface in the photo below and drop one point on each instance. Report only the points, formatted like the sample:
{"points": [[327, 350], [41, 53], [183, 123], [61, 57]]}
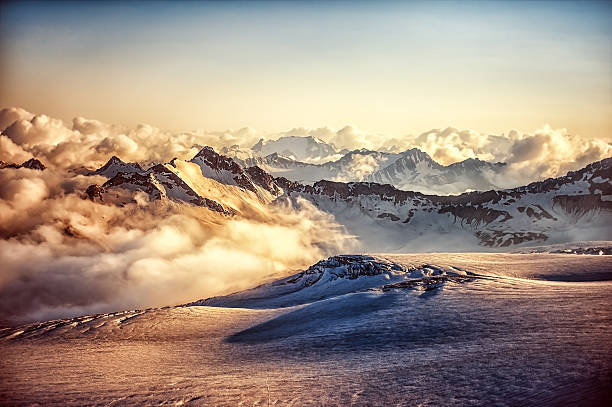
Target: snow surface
{"points": [[510, 334]]}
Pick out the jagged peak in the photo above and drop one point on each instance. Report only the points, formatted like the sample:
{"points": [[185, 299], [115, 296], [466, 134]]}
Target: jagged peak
{"points": [[257, 146], [33, 164], [206, 150], [416, 152], [115, 162], [209, 157]]}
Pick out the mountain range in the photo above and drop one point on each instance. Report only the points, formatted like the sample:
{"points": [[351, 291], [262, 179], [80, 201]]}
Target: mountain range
{"points": [[577, 206], [308, 160]]}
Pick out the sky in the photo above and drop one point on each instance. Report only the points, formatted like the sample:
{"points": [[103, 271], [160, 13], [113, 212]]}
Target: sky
{"points": [[392, 68]]}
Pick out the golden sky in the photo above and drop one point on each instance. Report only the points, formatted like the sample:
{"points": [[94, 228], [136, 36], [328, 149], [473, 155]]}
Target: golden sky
{"points": [[390, 68]]}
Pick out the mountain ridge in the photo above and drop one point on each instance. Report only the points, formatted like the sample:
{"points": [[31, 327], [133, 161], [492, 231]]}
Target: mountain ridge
{"points": [[534, 213], [411, 169]]}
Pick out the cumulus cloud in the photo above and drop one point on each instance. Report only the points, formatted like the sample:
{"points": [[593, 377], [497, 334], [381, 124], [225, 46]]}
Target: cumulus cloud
{"points": [[545, 153], [359, 167], [11, 114], [90, 143]]}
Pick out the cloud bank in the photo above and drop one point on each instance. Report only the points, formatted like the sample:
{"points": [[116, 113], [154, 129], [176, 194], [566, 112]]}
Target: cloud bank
{"points": [[546, 152]]}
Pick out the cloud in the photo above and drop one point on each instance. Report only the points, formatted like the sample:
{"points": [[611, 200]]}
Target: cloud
{"points": [[543, 154], [359, 167], [90, 143], [546, 152], [11, 114], [65, 255]]}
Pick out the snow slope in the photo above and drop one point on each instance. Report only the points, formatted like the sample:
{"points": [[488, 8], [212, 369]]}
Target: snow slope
{"points": [[343, 274], [503, 335]]}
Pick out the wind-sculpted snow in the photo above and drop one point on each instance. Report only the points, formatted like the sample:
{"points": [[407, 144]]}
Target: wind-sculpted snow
{"points": [[335, 276], [339, 275], [456, 330]]}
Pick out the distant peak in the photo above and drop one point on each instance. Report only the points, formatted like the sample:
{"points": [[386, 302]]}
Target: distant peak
{"points": [[33, 164], [210, 158], [258, 146], [206, 151]]}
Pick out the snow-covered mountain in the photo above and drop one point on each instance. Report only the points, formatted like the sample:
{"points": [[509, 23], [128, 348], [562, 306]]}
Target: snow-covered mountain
{"points": [[337, 275], [426, 274], [307, 149], [575, 207], [32, 164], [114, 166], [412, 170], [415, 170], [209, 180], [353, 166]]}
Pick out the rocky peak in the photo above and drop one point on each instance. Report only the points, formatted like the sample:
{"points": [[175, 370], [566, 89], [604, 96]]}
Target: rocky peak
{"points": [[209, 157], [115, 166], [32, 164], [258, 146], [415, 156]]}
